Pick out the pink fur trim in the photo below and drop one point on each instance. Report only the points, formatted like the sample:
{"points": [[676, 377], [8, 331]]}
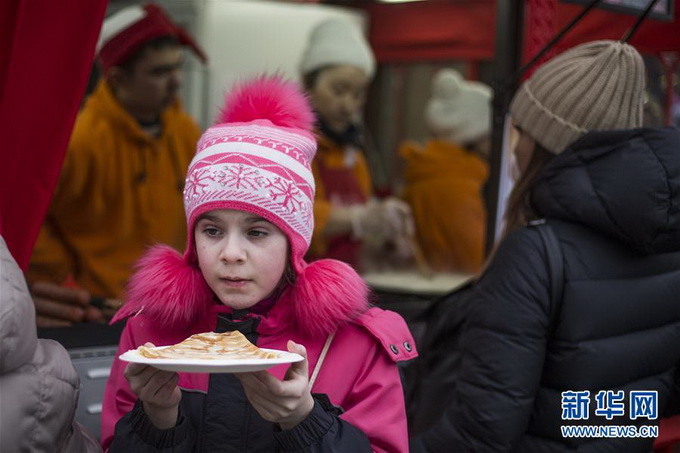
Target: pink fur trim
{"points": [[327, 294], [268, 98], [167, 289]]}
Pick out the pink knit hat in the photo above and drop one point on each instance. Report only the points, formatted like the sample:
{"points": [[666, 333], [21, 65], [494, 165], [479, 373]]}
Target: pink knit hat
{"points": [[256, 158]]}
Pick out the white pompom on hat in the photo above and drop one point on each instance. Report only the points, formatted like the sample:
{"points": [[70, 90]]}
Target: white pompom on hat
{"points": [[337, 42], [458, 109]]}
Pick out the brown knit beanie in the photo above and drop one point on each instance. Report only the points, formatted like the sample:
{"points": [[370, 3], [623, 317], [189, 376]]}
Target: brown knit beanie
{"points": [[595, 86]]}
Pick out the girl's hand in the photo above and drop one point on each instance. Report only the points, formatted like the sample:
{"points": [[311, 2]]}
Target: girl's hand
{"points": [[158, 392], [286, 402]]}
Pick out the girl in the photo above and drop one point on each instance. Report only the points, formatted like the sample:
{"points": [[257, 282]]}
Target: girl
{"points": [[248, 202], [337, 68], [610, 193]]}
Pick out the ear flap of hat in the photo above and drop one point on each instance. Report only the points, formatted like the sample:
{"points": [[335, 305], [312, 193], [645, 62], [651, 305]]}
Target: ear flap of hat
{"points": [[166, 288], [326, 294]]}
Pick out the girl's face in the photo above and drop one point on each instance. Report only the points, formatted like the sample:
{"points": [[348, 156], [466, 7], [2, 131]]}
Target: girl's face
{"points": [[339, 94], [242, 256], [523, 149]]}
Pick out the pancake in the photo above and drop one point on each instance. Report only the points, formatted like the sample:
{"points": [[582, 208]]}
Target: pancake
{"points": [[210, 346]]}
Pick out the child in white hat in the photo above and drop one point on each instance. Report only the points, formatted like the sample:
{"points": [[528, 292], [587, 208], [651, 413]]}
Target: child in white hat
{"points": [[131, 143], [337, 68], [444, 179]]}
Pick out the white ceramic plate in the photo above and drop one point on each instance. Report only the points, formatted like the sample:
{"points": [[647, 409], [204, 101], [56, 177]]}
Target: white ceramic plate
{"points": [[212, 365]]}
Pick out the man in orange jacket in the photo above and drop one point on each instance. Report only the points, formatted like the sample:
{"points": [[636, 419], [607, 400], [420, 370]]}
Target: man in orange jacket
{"points": [[121, 185]]}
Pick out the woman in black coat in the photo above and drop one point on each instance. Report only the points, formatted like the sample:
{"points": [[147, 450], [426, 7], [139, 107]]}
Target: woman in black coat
{"points": [[611, 193]]}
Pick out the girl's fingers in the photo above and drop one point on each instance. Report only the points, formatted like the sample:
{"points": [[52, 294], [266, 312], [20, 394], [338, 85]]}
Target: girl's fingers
{"points": [[164, 382], [168, 392], [145, 381], [268, 409], [297, 348], [299, 368], [138, 376], [150, 390], [254, 385], [255, 376], [133, 369]]}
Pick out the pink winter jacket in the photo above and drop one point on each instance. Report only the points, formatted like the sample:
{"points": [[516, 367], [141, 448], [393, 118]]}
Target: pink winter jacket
{"points": [[359, 373]]}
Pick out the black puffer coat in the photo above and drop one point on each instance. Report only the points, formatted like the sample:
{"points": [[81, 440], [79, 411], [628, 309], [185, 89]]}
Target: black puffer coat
{"points": [[613, 200]]}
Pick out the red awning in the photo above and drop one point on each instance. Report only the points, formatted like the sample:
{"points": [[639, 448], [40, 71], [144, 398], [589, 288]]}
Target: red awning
{"points": [[432, 30], [653, 36], [465, 29]]}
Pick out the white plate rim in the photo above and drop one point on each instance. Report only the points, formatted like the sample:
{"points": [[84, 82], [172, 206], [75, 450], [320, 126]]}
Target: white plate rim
{"points": [[134, 356]]}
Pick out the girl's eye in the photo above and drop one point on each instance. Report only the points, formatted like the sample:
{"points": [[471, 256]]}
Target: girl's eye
{"points": [[257, 233], [211, 231]]}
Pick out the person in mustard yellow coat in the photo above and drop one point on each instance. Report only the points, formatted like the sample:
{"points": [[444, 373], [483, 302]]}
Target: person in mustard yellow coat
{"points": [[444, 178], [120, 188]]}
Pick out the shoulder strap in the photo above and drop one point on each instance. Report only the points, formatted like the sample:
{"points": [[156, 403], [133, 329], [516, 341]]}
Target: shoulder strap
{"points": [[553, 252], [319, 362]]}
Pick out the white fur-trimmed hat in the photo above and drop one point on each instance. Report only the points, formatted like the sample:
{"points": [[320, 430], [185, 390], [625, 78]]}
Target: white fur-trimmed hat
{"points": [[459, 108], [337, 42]]}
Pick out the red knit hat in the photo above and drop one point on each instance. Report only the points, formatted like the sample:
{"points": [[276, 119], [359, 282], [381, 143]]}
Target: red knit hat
{"points": [[130, 28]]}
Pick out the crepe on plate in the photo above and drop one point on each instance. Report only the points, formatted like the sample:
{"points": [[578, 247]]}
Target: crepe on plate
{"points": [[210, 346]]}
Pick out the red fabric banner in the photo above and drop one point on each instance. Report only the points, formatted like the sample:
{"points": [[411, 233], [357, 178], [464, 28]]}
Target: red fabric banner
{"points": [[465, 29], [652, 37], [540, 25], [46, 54], [421, 31]]}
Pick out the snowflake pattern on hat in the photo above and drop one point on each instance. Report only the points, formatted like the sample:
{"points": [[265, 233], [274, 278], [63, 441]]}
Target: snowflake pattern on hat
{"points": [[260, 183]]}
